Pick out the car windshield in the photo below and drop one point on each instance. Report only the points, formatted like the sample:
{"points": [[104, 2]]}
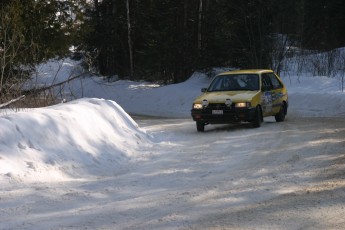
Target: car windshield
{"points": [[235, 82]]}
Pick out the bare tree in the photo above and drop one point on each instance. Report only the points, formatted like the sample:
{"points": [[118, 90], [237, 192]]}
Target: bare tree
{"points": [[130, 49], [11, 41], [200, 16]]}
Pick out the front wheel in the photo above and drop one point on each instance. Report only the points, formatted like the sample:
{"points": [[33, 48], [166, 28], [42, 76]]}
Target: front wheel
{"points": [[281, 115], [258, 117], [200, 126]]}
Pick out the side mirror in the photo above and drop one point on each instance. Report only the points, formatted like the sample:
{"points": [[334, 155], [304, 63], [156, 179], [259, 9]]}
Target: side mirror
{"points": [[203, 90]]}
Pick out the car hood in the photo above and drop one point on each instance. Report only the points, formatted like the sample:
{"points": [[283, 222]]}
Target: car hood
{"points": [[220, 97]]}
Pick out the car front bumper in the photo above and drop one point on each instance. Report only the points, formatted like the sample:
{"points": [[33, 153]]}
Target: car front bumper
{"points": [[225, 115]]}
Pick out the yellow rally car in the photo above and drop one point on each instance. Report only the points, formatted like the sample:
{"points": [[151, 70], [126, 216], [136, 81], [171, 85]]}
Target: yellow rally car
{"points": [[241, 96]]}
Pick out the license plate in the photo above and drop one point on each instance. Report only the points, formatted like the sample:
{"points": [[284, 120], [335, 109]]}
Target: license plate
{"points": [[217, 112]]}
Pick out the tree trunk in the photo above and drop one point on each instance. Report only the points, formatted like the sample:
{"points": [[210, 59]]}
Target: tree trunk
{"points": [[131, 65], [200, 26]]}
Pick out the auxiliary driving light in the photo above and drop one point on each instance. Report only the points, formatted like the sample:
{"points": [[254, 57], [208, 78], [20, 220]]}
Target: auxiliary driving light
{"points": [[204, 103], [228, 102]]}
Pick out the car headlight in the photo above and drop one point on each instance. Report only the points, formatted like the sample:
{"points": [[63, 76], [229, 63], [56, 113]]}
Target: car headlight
{"points": [[197, 106], [242, 105]]}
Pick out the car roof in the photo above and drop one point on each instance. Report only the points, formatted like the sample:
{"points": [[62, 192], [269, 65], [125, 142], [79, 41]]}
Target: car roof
{"points": [[247, 71]]}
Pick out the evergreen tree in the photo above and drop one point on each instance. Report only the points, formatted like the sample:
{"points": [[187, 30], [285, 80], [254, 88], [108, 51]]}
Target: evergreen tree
{"points": [[324, 24], [31, 32]]}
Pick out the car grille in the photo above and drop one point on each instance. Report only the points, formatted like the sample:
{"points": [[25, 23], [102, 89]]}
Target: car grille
{"points": [[219, 106]]}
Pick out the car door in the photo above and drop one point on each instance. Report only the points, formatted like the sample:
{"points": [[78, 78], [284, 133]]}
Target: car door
{"points": [[273, 93], [277, 93], [267, 98]]}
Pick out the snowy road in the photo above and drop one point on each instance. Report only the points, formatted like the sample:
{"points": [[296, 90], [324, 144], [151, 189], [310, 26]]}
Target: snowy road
{"points": [[286, 175]]}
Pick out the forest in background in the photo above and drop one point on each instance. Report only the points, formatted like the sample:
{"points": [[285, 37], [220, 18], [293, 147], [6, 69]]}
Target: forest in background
{"points": [[162, 40]]}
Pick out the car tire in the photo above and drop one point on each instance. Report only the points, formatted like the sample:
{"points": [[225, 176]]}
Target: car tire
{"points": [[281, 115], [200, 126], [257, 118]]}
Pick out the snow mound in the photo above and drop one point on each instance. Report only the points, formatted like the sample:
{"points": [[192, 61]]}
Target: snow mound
{"points": [[85, 136], [317, 96]]}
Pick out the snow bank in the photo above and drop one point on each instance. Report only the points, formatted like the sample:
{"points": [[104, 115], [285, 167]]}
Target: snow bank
{"points": [[309, 96], [86, 136], [317, 96], [142, 98]]}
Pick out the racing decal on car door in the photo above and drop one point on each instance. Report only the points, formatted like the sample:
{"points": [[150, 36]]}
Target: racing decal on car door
{"points": [[277, 99], [267, 102], [277, 96]]}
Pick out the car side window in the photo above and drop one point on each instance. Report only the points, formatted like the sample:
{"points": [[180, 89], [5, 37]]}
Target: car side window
{"points": [[266, 83], [275, 82]]}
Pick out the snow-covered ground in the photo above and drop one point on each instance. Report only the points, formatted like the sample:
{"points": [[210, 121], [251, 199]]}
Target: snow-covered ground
{"points": [[87, 164]]}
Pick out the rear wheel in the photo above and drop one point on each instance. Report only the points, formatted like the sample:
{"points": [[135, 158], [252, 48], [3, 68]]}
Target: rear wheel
{"points": [[281, 115], [258, 117], [200, 126]]}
